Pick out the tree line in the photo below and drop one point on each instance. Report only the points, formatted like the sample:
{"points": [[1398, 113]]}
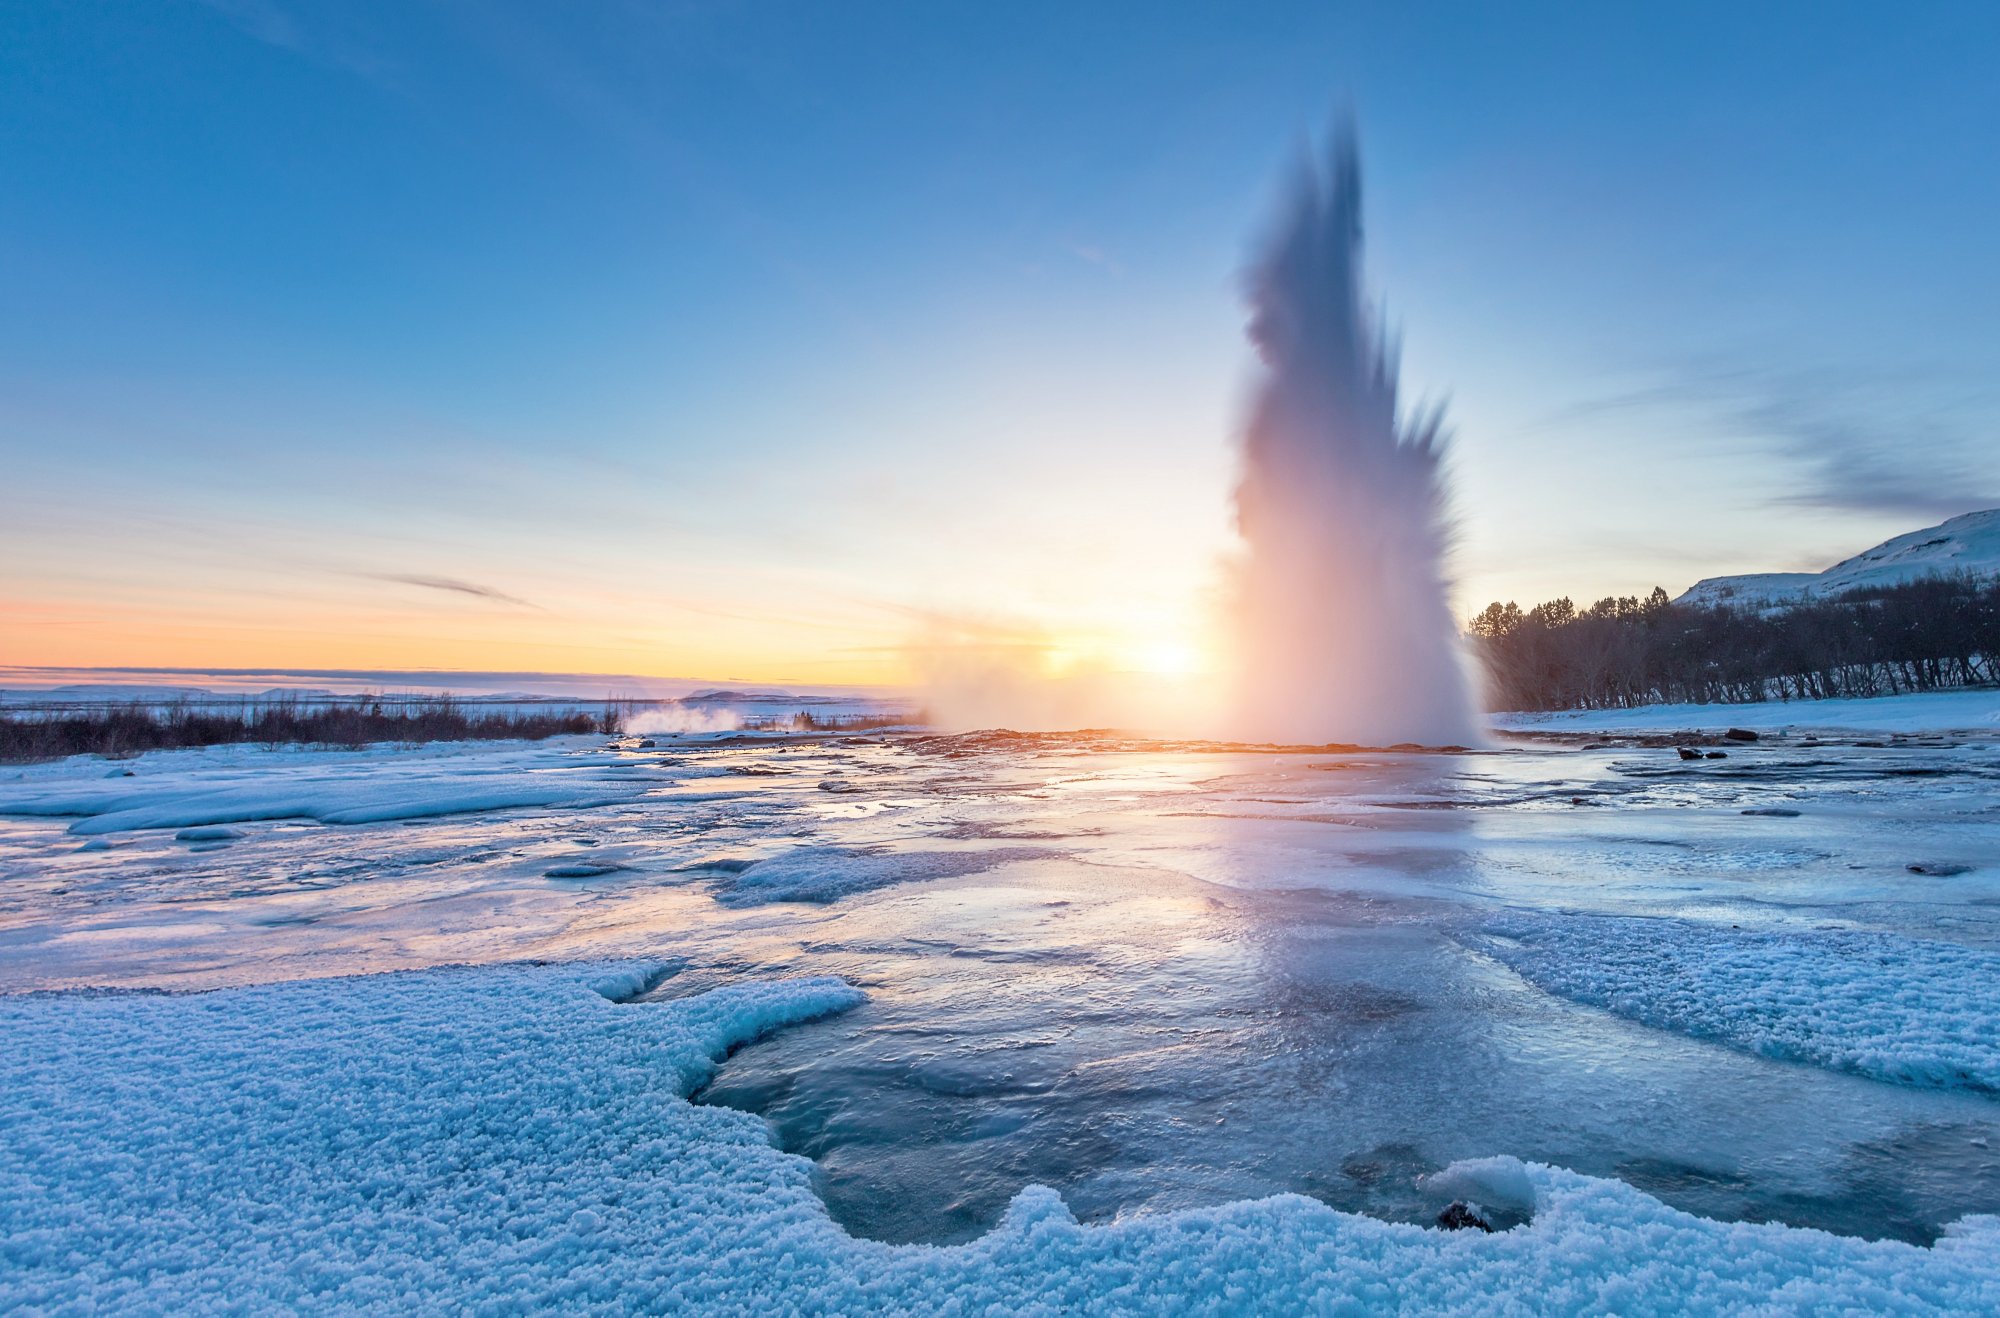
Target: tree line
{"points": [[1925, 635], [126, 729]]}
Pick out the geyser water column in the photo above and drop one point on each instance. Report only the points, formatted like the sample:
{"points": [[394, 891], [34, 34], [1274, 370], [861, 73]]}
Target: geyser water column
{"points": [[1343, 629]]}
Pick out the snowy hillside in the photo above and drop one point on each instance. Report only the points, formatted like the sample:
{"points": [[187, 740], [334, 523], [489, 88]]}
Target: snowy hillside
{"points": [[1969, 544]]}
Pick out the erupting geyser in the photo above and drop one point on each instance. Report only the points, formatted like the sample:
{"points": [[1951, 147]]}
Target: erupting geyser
{"points": [[1344, 629]]}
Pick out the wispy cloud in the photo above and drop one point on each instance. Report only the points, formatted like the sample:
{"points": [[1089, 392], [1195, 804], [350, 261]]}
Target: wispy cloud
{"points": [[1879, 441], [451, 585], [1910, 464], [1093, 254], [262, 20], [280, 26]]}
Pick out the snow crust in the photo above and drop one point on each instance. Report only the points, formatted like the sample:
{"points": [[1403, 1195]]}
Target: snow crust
{"points": [[1930, 711], [512, 1139], [194, 793], [1888, 1007], [825, 874]]}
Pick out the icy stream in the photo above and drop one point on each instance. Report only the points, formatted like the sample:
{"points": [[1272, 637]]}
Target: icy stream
{"points": [[1152, 976]]}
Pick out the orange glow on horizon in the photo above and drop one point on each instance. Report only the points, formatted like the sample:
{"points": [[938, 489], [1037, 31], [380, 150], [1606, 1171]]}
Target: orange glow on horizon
{"points": [[260, 634]]}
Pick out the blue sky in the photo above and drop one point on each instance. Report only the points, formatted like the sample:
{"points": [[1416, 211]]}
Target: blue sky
{"points": [[758, 339]]}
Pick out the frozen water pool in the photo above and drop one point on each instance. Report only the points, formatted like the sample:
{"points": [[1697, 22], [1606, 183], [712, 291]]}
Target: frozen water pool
{"points": [[1151, 976]]}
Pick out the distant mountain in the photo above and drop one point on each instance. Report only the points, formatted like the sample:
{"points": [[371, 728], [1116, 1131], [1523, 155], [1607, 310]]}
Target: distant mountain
{"points": [[727, 696], [90, 692], [1969, 544], [43, 686]]}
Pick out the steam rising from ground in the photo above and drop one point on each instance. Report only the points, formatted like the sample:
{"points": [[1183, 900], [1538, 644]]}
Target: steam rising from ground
{"points": [[1344, 632], [987, 676], [665, 720]]}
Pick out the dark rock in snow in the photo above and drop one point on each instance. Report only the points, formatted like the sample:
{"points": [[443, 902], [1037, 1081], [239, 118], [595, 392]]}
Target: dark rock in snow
{"points": [[1774, 812], [1460, 1215], [647, 744], [1740, 734], [585, 870], [1938, 871]]}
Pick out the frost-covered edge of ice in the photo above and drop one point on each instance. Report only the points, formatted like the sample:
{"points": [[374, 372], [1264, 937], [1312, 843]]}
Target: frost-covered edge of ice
{"points": [[1892, 1008], [513, 1136]]}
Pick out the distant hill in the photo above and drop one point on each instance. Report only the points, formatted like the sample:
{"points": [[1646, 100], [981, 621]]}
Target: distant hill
{"points": [[1969, 544]]}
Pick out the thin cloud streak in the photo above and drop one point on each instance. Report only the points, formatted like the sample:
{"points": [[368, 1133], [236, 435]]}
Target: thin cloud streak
{"points": [[452, 585], [280, 27]]}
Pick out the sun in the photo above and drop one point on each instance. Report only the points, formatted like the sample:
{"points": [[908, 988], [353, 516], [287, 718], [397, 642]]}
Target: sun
{"points": [[1167, 658]]}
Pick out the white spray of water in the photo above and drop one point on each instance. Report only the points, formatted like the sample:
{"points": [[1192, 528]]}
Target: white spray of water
{"points": [[1016, 691], [1344, 629]]}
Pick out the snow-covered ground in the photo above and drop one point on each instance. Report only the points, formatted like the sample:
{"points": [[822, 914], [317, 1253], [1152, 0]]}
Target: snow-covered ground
{"points": [[1715, 1034], [1975, 710]]}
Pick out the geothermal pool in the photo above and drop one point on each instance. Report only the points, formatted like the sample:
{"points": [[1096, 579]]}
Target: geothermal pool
{"points": [[1763, 987]]}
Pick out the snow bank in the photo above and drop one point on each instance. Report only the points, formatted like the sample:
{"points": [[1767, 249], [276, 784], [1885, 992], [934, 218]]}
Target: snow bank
{"points": [[1879, 1005], [511, 1139], [359, 788], [825, 874], [1930, 711]]}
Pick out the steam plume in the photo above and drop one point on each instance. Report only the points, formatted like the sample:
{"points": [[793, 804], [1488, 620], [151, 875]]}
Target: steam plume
{"points": [[1345, 630]]}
